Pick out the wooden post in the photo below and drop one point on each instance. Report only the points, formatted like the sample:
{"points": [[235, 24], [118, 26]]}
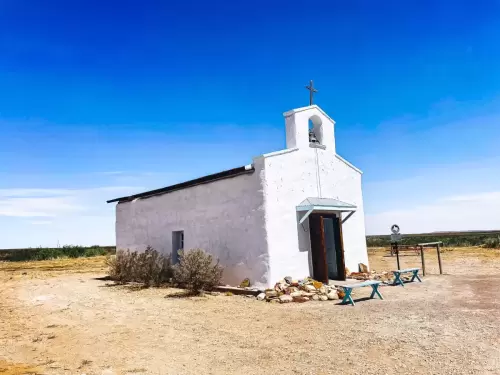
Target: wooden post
{"points": [[439, 260], [423, 260], [397, 256]]}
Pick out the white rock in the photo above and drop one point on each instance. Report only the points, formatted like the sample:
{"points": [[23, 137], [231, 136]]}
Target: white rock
{"points": [[285, 298], [333, 295], [323, 298], [315, 297], [310, 288], [271, 293], [261, 296], [296, 294]]}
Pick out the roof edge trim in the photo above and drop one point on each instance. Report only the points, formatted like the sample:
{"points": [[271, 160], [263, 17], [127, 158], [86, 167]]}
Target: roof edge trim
{"points": [[247, 169], [302, 109], [349, 164]]}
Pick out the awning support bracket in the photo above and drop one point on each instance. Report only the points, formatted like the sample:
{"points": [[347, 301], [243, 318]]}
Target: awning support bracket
{"points": [[306, 216], [348, 216]]}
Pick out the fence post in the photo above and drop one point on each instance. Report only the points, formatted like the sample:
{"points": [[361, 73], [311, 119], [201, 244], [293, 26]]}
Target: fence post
{"points": [[439, 259], [423, 260]]}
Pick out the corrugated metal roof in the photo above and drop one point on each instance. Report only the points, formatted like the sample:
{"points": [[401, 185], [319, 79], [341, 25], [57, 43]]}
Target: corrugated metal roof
{"points": [[183, 185]]}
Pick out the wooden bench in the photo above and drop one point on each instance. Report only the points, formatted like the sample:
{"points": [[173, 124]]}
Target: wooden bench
{"points": [[349, 287], [398, 273]]}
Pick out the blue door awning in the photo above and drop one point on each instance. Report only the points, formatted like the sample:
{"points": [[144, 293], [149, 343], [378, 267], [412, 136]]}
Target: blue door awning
{"points": [[311, 205]]}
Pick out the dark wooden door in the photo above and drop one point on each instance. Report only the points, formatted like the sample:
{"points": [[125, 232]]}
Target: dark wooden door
{"points": [[339, 248], [331, 245], [318, 249]]}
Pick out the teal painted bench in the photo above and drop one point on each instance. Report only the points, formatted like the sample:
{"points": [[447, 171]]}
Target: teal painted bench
{"points": [[398, 273], [349, 287]]}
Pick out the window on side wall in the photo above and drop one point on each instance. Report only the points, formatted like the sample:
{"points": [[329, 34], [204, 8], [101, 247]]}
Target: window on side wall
{"points": [[177, 244]]}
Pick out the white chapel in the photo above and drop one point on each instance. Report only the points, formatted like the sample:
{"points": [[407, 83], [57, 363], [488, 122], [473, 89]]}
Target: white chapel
{"points": [[296, 212]]}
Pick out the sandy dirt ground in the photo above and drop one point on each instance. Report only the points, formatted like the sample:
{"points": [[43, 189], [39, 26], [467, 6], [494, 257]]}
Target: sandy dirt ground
{"points": [[57, 317]]}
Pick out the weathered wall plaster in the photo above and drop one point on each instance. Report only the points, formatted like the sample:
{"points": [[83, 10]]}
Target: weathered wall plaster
{"points": [[225, 218]]}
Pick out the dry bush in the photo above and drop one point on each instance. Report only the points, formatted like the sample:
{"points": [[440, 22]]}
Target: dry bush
{"points": [[148, 267], [197, 271], [492, 243]]}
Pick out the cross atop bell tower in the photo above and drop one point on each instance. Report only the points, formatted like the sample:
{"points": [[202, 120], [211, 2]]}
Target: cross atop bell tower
{"points": [[312, 90]]}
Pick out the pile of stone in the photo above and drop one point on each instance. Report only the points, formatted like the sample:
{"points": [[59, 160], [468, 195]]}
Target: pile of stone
{"points": [[384, 277], [365, 274], [288, 290]]}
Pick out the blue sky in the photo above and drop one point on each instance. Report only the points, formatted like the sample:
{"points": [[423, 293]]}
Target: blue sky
{"points": [[103, 99]]}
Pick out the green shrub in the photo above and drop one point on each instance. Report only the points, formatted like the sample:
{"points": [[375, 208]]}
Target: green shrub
{"points": [[48, 253], [492, 243], [148, 267], [21, 255], [94, 251], [73, 251], [197, 271]]}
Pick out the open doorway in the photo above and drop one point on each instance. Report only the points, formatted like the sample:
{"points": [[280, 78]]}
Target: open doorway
{"points": [[327, 247]]}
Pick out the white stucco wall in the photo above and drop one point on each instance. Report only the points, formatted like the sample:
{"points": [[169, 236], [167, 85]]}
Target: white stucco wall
{"points": [[250, 222], [295, 174], [225, 218]]}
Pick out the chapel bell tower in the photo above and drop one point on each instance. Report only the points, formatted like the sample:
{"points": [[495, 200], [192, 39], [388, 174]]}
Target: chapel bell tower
{"points": [[309, 127]]}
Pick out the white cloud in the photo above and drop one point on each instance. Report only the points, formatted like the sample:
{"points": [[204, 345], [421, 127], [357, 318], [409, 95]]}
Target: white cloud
{"points": [[50, 216], [112, 173], [480, 197], [38, 202], [38, 207], [477, 211], [41, 222]]}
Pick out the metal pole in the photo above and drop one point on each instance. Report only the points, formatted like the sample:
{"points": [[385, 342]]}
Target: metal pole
{"points": [[397, 256], [439, 260], [423, 260]]}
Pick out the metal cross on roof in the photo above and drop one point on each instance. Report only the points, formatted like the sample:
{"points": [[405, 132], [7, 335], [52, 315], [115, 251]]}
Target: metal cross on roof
{"points": [[312, 90]]}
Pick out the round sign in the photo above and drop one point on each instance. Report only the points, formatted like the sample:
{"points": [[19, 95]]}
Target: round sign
{"points": [[395, 229]]}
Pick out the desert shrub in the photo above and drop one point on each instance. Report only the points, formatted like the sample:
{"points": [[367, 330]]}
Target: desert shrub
{"points": [[148, 267], [197, 271], [492, 242], [20, 255], [94, 251], [47, 253], [72, 251]]}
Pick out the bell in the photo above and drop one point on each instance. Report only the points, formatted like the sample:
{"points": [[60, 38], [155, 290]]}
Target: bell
{"points": [[312, 137]]}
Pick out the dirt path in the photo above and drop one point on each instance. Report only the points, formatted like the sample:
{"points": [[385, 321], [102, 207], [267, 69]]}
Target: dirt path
{"points": [[75, 324]]}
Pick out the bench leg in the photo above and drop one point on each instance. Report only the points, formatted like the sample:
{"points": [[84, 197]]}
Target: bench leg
{"points": [[347, 296], [398, 280], [415, 276], [375, 291]]}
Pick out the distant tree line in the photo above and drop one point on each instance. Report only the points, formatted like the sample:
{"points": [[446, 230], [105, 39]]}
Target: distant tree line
{"points": [[44, 253], [489, 239]]}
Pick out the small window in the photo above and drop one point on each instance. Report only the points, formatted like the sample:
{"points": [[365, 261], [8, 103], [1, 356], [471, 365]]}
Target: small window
{"points": [[177, 244]]}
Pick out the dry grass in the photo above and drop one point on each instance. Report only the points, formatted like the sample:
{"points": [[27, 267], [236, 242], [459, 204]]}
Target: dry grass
{"points": [[55, 267], [60, 319], [7, 368]]}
